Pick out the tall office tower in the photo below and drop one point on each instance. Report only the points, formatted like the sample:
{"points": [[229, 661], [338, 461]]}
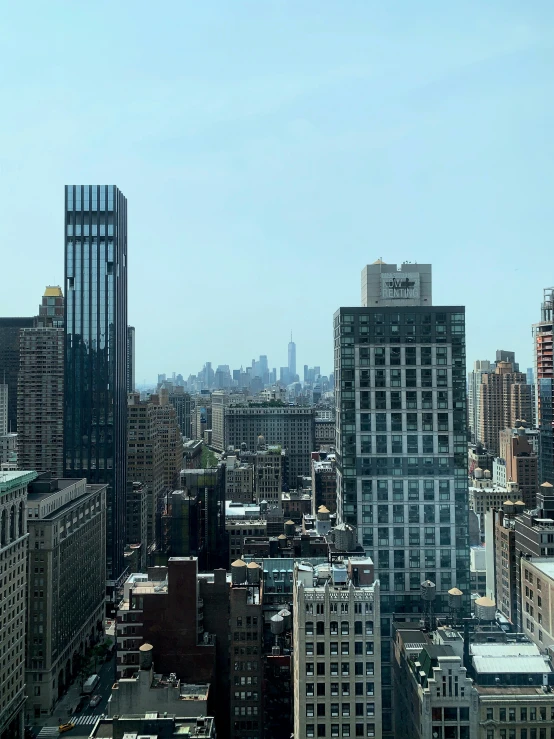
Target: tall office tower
{"points": [[402, 440], [130, 359], [530, 374], [292, 360], [337, 647], [503, 356], [95, 408], [40, 388], [66, 521], [181, 401], [220, 401], [13, 586], [51, 311], [480, 367], [9, 361], [170, 438], [292, 427], [505, 399], [3, 409], [145, 459], [544, 378], [246, 621]]}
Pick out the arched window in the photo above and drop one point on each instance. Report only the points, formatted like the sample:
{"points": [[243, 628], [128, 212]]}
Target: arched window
{"points": [[12, 523], [21, 519], [309, 628], [3, 529]]}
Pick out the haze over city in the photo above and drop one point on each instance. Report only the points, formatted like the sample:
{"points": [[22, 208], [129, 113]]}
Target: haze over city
{"points": [[268, 151]]}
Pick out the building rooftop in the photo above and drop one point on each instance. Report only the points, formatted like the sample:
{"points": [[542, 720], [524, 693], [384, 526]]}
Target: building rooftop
{"points": [[546, 565], [499, 658], [53, 292], [15, 479]]}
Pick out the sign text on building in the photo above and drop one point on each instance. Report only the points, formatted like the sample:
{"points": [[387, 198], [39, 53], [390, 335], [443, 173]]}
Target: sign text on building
{"points": [[399, 285]]}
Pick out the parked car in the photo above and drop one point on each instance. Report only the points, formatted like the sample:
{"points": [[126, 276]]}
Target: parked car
{"points": [[95, 700], [65, 727]]}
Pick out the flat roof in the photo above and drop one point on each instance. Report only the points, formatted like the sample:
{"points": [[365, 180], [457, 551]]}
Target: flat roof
{"points": [[546, 566], [15, 478], [505, 664]]}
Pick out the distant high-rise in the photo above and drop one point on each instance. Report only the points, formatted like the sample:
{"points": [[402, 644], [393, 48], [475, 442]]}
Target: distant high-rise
{"points": [[480, 367], [505, 397], [3, 408], [292, 360], [95, 424], [130, 359], [40, 395], [9, 361], [544, 378], [503, 356]]}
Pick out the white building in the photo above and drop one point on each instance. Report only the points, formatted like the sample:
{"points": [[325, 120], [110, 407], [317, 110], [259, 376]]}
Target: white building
{"points": [[337, 638]]}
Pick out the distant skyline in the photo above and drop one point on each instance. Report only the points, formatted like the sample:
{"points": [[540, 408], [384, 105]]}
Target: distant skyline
{"points": [[269, 151]]}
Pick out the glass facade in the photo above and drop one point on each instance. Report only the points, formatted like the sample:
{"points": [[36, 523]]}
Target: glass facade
{"points": [[402, 453], [95, 404]]}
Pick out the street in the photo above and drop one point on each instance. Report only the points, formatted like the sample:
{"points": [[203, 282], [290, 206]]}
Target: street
{"points": [[84, 720]]}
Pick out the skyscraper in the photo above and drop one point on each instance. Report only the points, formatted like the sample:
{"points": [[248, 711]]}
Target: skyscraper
{"points": [[95, 398], [401, 440], [130, 359], [9, 361], [40, 396], [480, 367], [292, 360], [544, 378], [505, 397]]}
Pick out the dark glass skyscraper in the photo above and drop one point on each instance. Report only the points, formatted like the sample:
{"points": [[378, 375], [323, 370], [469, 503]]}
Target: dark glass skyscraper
{"points": [[95, 397]]}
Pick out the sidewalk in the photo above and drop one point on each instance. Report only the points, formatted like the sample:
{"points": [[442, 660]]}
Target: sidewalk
{"points": [[65, 707]]}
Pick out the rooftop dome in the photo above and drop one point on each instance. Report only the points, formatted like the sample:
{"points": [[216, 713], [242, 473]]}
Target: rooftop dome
{"points": [[379, 261]]}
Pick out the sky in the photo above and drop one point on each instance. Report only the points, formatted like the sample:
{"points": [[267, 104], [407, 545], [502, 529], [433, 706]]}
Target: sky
{"points": [[269, 150]]}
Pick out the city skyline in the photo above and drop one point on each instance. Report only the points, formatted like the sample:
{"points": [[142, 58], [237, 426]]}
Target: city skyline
{"points": [[229, 149]]}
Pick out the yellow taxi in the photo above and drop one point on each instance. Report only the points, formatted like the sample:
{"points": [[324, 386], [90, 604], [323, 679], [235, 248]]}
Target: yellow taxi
{"points": [[65, 727]]}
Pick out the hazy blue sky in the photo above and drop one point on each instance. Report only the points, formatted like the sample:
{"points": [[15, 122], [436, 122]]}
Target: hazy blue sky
{"points": [[269, 150]]}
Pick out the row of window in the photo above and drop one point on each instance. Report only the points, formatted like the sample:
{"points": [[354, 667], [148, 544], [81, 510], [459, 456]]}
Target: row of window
{"points": [[318, 689], [359, 730], [334, 648], [344, 628], [320, 709], [365, 607], [521, 734], [533, 713]]}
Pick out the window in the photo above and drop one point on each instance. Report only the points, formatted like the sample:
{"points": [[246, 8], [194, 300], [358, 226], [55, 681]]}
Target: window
{"points": [[334, 647], [309, 669], [321, 690], [321, 669], [321, 729], [334, 710], [309, 710], [345, 709], [369, 668], [310, 730], [321, 710], [309, 689], [309, 628], [344, 630], [334, 628], [320, 628], [335, 687], [344, 647], [346, 729], [320, 649], [309, 648]]}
